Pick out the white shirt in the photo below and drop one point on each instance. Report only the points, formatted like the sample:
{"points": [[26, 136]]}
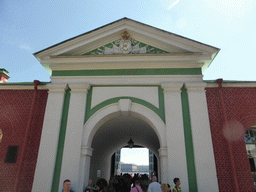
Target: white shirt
{"points": [[154, 187]]}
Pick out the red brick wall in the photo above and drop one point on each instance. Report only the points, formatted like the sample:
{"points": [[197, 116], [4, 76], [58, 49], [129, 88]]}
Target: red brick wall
{"points": [[240, 105], [15, 106]]}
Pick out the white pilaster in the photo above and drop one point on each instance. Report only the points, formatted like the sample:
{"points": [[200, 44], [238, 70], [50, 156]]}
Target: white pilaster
{"points": [[164, 165], [177, 164], [84, 171], [49, 138], [73, 139], [202, 140]]}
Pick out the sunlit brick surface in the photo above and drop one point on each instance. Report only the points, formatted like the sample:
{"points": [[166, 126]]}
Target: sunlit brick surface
{"points": [[240, 105], [15, 106]]}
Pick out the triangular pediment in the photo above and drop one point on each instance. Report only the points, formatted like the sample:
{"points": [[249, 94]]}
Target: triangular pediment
{"points": [[125, 46], [126, 38]]}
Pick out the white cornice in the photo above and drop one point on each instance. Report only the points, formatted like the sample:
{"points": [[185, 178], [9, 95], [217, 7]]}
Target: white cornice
{"points": [[121, 58], [79, 87], [125, 65], [57, 88], [127, 80], [195, 86], [171, 87]]}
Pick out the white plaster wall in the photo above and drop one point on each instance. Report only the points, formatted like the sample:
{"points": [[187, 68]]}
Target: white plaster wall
{"points": [[149, 94]]}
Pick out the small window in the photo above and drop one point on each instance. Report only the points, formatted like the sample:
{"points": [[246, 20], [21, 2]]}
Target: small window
{"points": [[11, 155]]}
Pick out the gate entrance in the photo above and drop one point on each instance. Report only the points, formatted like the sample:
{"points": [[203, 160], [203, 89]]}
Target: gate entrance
{"points": [[113, 135]]}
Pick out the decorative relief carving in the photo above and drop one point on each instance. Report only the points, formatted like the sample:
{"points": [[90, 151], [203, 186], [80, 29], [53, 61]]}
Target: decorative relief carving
{"points": [[125, 45]]}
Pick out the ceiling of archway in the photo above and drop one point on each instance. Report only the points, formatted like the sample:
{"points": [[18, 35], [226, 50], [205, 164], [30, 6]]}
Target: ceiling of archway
{"points": [[115, 134]]}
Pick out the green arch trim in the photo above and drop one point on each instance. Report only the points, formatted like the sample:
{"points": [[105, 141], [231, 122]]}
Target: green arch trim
{"points": [[191, 168], [159, 111], [60, 148]]}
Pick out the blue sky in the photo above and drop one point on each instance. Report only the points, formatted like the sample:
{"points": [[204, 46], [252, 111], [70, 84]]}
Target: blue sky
{"points": [[29, 26]]}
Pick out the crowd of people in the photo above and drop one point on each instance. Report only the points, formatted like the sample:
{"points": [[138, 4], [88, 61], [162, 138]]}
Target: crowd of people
{"points": [[127, 183]]}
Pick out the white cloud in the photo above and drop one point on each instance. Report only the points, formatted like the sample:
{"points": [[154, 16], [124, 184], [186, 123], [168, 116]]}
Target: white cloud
{"points": [[27, 48], [172, 3]]}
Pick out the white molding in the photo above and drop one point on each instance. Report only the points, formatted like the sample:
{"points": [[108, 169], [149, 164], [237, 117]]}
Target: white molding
{"points": [[171, 87], [167, 57], [136, 29], [127, 80], [163, 152], [57, 88], [195, 87], [79, 87], [102, 115], [86, 151], [124, 105], [126, 65]]}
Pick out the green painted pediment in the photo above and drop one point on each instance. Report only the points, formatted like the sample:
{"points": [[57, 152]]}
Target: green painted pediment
{"points": [[125, 46]]}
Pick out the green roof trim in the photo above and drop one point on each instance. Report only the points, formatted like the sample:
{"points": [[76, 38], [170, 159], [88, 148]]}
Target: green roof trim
{"points": [[120, 72], [2, 70]]}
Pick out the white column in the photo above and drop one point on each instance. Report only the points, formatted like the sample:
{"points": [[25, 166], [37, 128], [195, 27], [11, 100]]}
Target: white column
{"points": [[163, 165], [49, 138], [202, 140], [84, 170], [73, 139], [177, 162]]}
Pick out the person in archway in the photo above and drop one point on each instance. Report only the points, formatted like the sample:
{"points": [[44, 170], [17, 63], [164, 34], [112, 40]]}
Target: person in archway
{"points": [[177, 187], [137, 187], [67, 186], [91, 186], [164, 187], [154, 186]]}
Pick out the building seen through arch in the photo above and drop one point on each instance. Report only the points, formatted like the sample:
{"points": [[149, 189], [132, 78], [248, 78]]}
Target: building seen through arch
{"points": [[118, 167], [120, 81]]}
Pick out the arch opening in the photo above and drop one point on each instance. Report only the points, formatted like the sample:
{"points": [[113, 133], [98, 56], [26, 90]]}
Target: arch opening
{"points": [[114, 134]]}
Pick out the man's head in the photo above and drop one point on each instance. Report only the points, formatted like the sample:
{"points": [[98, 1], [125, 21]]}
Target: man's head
{"points": [[67, 185], [154, 179], [176, 181], [90, 182], [164, 187], [137, 182]]}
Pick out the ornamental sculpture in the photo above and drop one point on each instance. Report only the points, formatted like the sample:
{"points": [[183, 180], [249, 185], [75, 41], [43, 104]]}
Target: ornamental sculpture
{"points": [[125, 45]]}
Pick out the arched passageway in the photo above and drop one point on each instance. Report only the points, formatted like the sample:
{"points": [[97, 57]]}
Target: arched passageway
{"points": [[110, 128], [113, 135]]}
